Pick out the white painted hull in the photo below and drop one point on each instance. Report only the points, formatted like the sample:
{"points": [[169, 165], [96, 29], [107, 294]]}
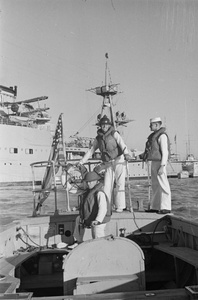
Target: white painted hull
{"points": [[19, 147], [138, 169], [33, 145], [157, 236]]}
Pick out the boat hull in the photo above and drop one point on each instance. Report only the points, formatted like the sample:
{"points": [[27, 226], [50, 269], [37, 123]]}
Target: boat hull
{"points": [[153, 233]]}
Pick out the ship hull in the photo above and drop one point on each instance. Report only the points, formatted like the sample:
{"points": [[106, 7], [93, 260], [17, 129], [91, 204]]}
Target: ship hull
{"points": [[139, 170], [21, 146]]}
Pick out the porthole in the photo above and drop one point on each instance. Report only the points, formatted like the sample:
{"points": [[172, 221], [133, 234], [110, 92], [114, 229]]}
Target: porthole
{"points": [[67, 233]]}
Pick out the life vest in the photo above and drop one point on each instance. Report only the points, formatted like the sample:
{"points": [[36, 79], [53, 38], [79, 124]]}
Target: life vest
{"points": [[89, 206], [152, 149], [108, 145]]}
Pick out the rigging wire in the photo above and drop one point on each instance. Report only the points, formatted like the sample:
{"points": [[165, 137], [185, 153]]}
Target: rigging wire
{"points": [[88, 121], [19, 236]]}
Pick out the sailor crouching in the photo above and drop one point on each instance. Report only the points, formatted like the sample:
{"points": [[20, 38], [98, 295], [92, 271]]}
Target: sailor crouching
{"points": [[94, 210]]}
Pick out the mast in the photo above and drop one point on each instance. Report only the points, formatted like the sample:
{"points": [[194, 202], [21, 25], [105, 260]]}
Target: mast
{"points": [[108, 91]]}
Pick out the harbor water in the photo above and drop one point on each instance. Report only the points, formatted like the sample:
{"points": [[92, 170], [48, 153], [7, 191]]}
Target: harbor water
{"points": [[16, 202]]}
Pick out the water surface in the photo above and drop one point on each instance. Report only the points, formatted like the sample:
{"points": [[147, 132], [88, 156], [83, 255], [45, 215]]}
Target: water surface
{"points": [[16, 202]]}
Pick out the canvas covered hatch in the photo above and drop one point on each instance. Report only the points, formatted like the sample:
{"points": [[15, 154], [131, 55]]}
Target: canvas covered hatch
{"points": [[109, 264]]}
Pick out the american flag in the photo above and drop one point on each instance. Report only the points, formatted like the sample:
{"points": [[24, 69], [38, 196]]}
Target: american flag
{"points": [[58, 147], [58, 156]]}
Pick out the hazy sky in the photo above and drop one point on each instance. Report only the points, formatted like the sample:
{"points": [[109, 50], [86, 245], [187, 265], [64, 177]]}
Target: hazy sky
{"points": [[57, 48]]}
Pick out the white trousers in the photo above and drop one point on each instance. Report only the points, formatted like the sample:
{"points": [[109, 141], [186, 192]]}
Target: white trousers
{"points": [[97, 231], [161, 193], [116, 172]]}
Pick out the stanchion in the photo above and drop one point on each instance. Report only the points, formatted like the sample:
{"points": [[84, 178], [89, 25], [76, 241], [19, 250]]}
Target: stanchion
{"points": [[64, 182], [129, 188], [149, 185]]}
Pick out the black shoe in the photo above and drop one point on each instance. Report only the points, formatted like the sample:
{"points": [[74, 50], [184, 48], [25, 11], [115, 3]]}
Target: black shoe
{"points": [[151, 210], [164, 211], [74, 245]]}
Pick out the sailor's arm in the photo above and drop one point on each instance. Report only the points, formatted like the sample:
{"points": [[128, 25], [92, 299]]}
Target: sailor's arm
{"points": [[163, 142], [122, 145], [89, 153], [102, 208]]}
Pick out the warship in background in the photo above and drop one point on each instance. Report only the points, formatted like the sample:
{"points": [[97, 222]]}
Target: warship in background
{"points": [[25, 136]]}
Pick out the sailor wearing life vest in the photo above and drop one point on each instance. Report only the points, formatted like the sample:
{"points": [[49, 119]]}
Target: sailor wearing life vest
{"points": [[93, 210], [114, 153], [157, 151]]}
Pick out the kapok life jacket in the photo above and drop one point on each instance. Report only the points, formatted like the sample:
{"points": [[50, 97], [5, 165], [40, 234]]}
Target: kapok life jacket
{"points": [[89, 206], [108, 145], [152, 149]]}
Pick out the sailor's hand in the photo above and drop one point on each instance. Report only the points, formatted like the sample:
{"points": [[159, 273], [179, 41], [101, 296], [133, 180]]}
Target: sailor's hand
{"points": [[138, 157], [78, 165], [127, 157], [100, 168], [141, 156], [95, 222], [161, 170]]}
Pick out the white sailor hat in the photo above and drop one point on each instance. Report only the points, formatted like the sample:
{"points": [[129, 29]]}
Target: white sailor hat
{"points": [[157, 119]]}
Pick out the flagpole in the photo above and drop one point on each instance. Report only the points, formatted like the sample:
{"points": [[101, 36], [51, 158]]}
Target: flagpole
{"points": [[63, 140], [176, 146], [63, 170]]}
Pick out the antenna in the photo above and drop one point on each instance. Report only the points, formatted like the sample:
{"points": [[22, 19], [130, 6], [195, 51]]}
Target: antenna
{"points": [[106, 68]]}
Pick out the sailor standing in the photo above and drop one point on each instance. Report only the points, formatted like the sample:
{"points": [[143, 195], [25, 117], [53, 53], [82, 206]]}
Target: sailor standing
{"points": [[114, 156], [157, 151]]}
